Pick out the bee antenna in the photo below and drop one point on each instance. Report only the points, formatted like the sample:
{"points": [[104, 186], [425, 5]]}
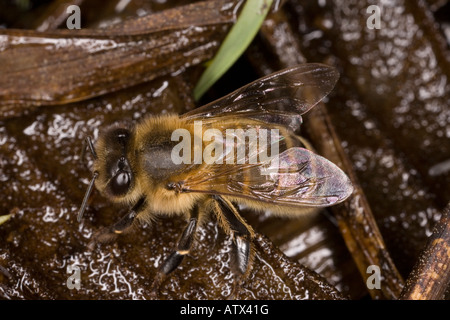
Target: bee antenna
{"points": [[86, 196], [91, 147], [88, 143]]}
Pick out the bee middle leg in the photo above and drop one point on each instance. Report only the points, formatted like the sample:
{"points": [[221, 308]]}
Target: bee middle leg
{"points": [[111, 233], [183, 248]]}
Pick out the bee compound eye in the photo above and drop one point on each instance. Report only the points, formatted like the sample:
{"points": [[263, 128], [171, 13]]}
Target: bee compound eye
{"points": [[120, 183]]}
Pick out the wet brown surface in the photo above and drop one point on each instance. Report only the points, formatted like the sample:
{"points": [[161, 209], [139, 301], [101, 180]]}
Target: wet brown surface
{"points": [[394, 142], [44, 228], [393, 149], [390, 110]]}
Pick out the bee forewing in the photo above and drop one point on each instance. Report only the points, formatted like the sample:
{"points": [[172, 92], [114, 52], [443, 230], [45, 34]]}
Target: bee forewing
{"points": [[297, 177], [294, 176], [275, 98], [305, 177]]}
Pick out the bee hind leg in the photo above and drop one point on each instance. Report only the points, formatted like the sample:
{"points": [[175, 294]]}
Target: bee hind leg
{"points": [[242, 251], [183, 248], [110, 234], [241, 262]]}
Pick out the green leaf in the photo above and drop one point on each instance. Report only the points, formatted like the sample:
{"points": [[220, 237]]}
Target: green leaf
{"points": [[4, 218], [236, 42]]}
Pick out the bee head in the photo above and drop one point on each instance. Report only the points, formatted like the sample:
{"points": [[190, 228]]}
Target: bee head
{"points": [[113, 175]]}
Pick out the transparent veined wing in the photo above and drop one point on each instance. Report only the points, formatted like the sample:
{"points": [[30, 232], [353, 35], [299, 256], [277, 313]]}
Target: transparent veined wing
{"points": [[296, 177], [281, 97]]}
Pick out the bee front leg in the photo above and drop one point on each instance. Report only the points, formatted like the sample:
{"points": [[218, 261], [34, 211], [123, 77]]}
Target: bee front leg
{"points": [[111, 233], [183, 248]]}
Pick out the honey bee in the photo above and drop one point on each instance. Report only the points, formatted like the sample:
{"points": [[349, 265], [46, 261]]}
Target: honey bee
{"points": [[143, 167]]}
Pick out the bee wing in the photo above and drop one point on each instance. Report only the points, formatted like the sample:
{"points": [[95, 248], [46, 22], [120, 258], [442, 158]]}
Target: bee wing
{"points": [[277, 98], [297, 177]]}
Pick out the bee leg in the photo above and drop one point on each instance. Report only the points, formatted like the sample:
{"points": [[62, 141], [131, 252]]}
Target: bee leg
{"points": [[243, 234], [241, 262], [111, 233], [183, 247]]}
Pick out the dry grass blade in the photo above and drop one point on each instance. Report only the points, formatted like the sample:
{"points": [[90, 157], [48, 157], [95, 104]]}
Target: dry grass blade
{"points": [[355, 218], [431, 275], [64, 66]]}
